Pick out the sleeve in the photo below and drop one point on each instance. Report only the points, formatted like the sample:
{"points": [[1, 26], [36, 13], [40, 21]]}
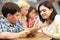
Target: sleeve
{"points": [[20, 25], [57, 25], [0, 28], [57, 34], [3, 28]]}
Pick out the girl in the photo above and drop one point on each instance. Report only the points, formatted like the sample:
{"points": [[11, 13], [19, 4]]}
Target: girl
{"points": [[31, 17]]}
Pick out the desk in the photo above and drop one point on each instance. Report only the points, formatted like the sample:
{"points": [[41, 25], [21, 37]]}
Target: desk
{"points": [[39, 36]]}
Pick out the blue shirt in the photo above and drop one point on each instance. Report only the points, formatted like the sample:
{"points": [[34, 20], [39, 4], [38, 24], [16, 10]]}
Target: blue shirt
{"points": [[5, 26]]}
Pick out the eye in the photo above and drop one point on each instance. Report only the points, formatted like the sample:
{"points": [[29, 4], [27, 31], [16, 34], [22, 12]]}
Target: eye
{"points": [[44, 10], [26, 9]]}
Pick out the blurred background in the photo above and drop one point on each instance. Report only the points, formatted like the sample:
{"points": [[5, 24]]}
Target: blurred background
{"points": [[35, 3]]}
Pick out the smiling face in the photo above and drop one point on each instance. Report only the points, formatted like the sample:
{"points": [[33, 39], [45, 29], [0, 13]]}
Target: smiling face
{"points": [[33, 13], [45, 12]]}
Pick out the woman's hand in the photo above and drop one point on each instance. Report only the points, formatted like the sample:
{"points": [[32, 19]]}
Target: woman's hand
{"points": [[46, 32]]}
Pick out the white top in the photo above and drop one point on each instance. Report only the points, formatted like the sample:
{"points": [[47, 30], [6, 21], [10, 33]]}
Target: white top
{"points": [[54, 28]]}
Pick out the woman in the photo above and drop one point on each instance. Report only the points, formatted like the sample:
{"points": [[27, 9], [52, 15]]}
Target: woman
{"points": [[50, 19]]}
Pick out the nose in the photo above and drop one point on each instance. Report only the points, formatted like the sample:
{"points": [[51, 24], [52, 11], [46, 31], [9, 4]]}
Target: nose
{"points": [[41, 12]]}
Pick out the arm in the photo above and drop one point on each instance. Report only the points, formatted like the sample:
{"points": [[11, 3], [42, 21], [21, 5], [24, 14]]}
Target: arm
{"points": [[8, 35], [14, 35], [46, 32], [54, 34], [24, 33], [57, 34]]}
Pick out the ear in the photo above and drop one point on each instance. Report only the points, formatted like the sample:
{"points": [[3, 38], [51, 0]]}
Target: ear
{"points": [[51, 9], [9, 15]]}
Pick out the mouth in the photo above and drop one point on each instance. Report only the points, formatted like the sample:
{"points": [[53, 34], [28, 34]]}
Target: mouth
{"points": [[43, 15]]}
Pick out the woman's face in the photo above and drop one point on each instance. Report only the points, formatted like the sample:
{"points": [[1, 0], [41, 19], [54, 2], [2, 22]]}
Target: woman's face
{"points": [[45, 12]]}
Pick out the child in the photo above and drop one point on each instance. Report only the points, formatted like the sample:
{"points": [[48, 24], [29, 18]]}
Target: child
{"points": [[31, 17]]}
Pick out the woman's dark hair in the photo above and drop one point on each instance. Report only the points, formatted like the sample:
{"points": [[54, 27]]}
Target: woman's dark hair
{"points": [[30, 9], [11, 8], [48, 5]]}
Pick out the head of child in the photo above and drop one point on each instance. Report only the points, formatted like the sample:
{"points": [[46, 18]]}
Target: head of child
{"points": [[32, 13], [11, 12], [24, 5]]}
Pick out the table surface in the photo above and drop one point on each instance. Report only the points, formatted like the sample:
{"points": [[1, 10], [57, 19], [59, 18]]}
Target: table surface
{"points": [[39, 36]]}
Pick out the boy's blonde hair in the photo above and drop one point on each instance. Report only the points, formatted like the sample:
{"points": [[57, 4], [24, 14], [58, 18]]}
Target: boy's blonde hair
{"points": [[23, 3]]}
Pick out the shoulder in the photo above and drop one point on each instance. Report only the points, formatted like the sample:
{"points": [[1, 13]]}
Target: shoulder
{"points": [[57, 16], [57, 19], [3, 22]]}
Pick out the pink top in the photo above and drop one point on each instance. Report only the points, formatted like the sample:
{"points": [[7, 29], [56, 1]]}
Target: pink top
{"points": [[30, 23]]}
